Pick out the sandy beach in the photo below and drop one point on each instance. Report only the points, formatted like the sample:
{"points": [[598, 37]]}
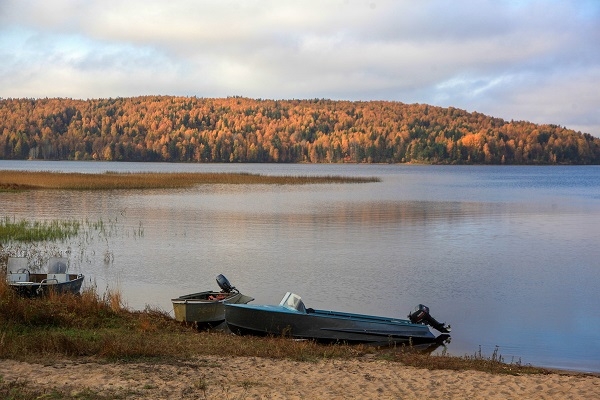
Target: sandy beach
{"points": [[261, 378]]}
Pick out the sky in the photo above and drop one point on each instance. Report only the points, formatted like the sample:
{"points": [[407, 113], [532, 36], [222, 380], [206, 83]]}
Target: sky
{"points": [[534, 60]]}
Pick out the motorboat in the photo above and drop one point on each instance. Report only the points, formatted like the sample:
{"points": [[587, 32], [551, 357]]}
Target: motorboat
{"points": [[206, 308], [291, 318], [29, 284]]}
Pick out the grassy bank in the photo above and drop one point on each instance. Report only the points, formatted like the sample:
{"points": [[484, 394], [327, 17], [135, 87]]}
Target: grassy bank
{"points": [[29, 180], [93, 327], [90, 325]]}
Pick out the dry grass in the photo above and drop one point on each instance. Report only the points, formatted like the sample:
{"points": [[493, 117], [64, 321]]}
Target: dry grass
{"points": [[29, 180], [494, 364], [90, 325], [94, 325], [23, 390]]}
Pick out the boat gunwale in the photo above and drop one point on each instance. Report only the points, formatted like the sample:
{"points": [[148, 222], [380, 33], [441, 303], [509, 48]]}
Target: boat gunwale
{"points": [[49, 282], [331, 315], [193, 297]]}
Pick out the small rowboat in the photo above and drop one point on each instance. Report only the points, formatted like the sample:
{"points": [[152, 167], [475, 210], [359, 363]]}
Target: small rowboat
{"points": [[29, 284], [206, 309]]}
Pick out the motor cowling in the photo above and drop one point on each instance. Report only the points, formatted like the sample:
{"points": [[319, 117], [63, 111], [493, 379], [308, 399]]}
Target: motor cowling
{"points": [[224, 284], [421, 316]]}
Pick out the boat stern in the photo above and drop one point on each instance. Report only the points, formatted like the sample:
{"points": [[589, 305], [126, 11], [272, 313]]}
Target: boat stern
{"points": [[421, 315]]}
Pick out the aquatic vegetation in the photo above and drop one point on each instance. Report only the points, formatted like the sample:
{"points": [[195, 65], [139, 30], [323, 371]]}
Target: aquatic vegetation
{"points": [[71, 238], [24, 230], [29, 180]]}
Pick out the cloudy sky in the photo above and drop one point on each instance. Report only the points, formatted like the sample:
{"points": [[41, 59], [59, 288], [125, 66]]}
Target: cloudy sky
{"points": [[535, 60]]}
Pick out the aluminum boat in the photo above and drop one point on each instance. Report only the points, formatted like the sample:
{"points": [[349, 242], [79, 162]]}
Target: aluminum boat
{"points": [[291, 318], [29, 284], [206, 308]]}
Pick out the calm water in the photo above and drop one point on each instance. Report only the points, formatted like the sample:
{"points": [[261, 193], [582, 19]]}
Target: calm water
{"points": [[509, 256]]}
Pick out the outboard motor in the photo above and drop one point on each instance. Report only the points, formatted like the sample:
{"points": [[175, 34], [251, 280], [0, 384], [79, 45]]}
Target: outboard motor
{"points": [[224, 284], [421, 316]]}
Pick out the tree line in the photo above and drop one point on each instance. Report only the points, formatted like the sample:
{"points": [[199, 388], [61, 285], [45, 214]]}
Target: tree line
{"points": [[237, 129]]}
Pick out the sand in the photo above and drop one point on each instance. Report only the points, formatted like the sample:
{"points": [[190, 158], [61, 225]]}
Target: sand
{"points": [[260, 378]]}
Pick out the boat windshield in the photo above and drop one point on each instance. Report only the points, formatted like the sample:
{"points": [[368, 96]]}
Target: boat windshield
{"points": [[293, 302]]}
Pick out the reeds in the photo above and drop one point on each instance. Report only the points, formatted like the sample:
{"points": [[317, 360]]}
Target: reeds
{"points": [[31, 231], [71, 238], [29, 180]]}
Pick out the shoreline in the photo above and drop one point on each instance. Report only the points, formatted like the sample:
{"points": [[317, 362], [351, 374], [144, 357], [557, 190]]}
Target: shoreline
{"points": [[255, 377]]}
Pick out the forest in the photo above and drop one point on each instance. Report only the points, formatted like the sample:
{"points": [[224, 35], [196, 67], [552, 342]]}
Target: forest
{"points": [[238, 129]]}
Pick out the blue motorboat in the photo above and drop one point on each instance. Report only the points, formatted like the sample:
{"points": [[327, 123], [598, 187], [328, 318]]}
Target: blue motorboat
{"points": [[291, 318]]}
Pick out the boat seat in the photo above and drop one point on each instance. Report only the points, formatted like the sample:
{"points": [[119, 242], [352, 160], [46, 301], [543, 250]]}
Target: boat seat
{"points": [[18, 277], [16, 270], [57, 265]]}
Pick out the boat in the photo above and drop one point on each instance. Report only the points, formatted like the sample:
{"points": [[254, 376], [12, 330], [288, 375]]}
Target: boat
{"points": [[291, 318], [206, 308], [29, 284]]}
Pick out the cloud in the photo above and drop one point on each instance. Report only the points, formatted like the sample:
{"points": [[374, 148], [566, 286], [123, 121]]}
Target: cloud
{"points": [[532, 60]]}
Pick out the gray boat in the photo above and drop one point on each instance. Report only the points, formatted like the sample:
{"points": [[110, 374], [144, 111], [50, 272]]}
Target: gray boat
{"points": [[29, 284], [291, 318], [206, 308]]}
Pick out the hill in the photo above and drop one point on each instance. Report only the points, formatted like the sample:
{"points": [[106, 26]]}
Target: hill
{"points": [[236, 129]]}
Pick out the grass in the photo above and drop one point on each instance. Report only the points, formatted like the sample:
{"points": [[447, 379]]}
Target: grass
{"points": [[91, 325], [31, 180], [22, 390], [24, 230], [94, 325]]}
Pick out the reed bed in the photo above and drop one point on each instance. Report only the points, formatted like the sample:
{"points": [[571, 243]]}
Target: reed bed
{"points": [[31, 231], [29, 180], [40, 240]]}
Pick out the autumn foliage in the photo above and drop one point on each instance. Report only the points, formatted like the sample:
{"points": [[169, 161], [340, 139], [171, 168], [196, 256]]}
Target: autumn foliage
{"points": [[236, 129]]}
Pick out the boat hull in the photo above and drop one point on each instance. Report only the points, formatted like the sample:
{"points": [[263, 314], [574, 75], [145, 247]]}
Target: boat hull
{"points": [[37, 289], [326, 326], [200, 309]]}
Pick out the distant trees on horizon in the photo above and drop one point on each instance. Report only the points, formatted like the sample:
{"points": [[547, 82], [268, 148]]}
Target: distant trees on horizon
{"points": [[237, 129]]}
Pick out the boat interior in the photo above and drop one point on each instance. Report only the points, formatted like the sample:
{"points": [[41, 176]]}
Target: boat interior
{"points": [[17, 272]]}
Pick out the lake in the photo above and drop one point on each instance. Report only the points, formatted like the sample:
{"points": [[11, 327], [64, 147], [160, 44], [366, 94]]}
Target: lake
{"points": [[508, 255]]}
